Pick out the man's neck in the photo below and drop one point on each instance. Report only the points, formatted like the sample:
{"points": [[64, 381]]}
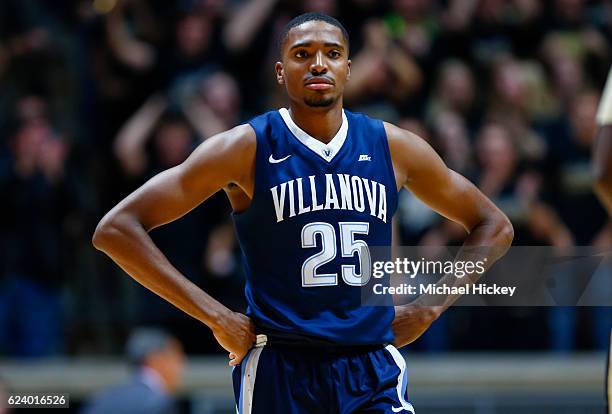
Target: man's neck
{"points": [[320, 123]]}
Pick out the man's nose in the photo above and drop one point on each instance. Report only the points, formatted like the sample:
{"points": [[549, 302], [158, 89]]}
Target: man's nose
{"points": [[318, 65]]}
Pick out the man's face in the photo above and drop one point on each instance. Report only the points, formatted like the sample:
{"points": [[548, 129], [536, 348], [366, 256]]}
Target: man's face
{"points": [[170, 364], [315, 64]]}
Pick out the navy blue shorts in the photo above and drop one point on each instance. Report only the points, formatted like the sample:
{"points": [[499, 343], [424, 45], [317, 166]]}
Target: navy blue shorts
{"points": [[277, 379]]}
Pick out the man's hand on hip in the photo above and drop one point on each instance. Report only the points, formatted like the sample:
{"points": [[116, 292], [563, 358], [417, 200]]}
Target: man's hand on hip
{"points": [[411, 321], [236, 334]]}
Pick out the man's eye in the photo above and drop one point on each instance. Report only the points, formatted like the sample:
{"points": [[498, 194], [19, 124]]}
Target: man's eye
{"points": [[334, 54], [301, 54]]}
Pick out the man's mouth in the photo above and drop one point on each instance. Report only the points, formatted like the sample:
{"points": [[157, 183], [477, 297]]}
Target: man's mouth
{"points": [[319, 84]]}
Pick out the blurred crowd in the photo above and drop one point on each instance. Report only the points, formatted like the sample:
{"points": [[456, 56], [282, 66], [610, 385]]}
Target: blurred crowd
{"points": [[98, 96]]}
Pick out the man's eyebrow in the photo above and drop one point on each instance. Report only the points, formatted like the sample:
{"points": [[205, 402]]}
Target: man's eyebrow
{"points": [[308, 44], [336, 45], [298, 45]]}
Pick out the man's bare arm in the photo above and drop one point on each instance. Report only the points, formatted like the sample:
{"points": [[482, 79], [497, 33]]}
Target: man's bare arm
{"points": [[602, 157], [123, 232], [419, 168], [602, 147]]}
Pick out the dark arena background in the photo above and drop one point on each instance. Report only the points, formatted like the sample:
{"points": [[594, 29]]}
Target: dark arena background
{"points": [[98, 96]]}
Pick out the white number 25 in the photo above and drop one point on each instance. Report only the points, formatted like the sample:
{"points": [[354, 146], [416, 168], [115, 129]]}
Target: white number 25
{"points": [[348, 246]]}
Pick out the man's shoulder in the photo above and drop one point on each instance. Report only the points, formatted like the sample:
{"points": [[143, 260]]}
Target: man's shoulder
{"points": [[240, 137], [241, 132], [399, 136], [405, 147]]}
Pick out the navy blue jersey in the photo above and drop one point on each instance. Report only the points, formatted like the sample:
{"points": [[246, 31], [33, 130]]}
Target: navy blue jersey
{"points": [[315, 210]]}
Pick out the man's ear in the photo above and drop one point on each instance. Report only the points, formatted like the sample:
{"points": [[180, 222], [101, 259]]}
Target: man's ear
{"points": [[348, 70], [280, 74]]}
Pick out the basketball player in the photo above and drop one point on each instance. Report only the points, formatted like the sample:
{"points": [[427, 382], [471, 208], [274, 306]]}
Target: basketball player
{"points": [[602, 151], [602, 155], [311, 187]]}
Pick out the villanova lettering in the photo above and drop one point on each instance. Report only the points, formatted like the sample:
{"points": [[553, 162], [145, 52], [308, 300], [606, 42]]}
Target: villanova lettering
{"points": [[342, 192]]}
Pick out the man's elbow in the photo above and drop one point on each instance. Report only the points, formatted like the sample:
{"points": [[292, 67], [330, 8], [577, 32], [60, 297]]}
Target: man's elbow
{"points": [[603, 182], [505, 232], [602, 160], [103, 235]]}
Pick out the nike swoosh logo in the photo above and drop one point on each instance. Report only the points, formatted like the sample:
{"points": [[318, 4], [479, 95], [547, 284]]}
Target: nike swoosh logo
{"points": [[274, 161]]}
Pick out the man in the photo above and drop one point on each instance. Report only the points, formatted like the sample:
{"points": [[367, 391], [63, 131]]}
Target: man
{"points": [[602, 150], [602, 155], [158, 362], [311, 188]]}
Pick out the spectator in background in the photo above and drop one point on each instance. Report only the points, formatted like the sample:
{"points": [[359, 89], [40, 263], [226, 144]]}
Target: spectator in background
{"points": [[455, 92], [250, 39], [82, 74], [567, 14], [215, 107], [153, 45], [575, 194], [454, 37], [453, 142], [489, 35], [173, 139], [414, 25], [43, 198], [514, 186], [498, 159], [157, 362], [201, 245], [383, 75], [140, 41], [28, 47], [131, 43], [571, 156], [527, 27], [565, 67], [197, 42], [511, 106]]}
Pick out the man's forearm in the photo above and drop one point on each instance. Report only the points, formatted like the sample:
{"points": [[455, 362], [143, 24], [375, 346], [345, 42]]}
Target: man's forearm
{"points": [[130, 246], [602, 147], [486, 243], [602, 156], [489, 240]]}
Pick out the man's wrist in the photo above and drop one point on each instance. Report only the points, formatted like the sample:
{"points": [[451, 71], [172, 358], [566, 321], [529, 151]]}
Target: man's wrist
{"points": [[427, 312], [219, 318]]}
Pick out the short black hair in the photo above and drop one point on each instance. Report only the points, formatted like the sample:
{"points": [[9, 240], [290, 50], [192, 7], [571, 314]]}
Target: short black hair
{"points": [[144, 342], [310, 17]]}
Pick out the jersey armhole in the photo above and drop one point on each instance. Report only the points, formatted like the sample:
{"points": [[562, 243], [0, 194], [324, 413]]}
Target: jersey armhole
{"points": [[389, 162], [258, 149]]}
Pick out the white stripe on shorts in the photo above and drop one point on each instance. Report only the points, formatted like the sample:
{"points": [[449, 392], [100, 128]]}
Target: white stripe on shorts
{"points": [[401, 363], [247, 387]]}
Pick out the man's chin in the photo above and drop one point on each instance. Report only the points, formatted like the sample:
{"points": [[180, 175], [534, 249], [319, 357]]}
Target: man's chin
{"points": [[319, 102]]}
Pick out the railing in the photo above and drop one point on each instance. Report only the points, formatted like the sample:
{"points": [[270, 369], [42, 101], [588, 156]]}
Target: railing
{"points": [[438, 384]]}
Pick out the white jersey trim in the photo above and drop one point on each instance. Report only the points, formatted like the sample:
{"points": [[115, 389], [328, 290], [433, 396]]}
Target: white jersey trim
{"points": [[325, 151], [401, 363], [247, 383]]}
